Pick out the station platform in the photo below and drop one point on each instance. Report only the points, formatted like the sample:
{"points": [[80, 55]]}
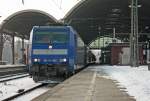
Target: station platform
{"points": [[88, 85]]}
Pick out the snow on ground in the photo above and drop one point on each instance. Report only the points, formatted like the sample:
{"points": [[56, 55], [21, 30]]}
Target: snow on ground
{"points": [[11, 87], [32, 95], [135, 79]]}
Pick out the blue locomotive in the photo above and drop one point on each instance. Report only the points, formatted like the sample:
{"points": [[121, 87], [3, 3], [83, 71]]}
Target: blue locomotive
{"points": [[55, 51]]}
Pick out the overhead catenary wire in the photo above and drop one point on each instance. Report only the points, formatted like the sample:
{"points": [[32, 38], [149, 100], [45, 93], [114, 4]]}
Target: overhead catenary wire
{"points": [[22, 2], [58, 3]]}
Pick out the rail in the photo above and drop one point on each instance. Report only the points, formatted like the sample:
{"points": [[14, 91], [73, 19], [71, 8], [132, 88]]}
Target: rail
{"points": [[12, 69], [12, 77], [22, 93]]}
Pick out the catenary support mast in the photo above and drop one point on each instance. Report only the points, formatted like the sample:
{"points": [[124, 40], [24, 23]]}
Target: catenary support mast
{"points": [[134, 48]]}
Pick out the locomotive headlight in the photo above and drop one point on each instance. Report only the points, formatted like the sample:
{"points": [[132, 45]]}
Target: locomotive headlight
{"points": [[35, 60], [64, 59], [50, 47]]}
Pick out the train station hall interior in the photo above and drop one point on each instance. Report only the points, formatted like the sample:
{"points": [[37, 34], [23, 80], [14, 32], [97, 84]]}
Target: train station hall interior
{"points": [[116, 33]]}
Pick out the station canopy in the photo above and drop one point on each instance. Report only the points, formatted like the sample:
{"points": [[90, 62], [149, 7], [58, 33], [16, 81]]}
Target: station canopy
{"points": [[20, 23], [94, 18], [91, 19]]}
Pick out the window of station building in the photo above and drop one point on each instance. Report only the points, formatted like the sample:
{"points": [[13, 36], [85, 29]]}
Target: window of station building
{"points": [[103, 42]]}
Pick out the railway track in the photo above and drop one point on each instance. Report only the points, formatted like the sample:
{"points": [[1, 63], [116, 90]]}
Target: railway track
{"points": [[23, 92], [22, 87], [12, 77], [12, 70]]}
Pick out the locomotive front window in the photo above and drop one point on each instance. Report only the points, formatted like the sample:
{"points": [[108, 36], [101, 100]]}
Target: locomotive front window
{"points": [[50, 37]]}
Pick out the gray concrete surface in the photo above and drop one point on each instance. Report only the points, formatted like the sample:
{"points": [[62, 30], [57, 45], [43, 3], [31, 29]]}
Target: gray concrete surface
{"points": [[86, 86]]}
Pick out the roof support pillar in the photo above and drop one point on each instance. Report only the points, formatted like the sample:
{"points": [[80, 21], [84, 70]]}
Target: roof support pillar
{"points": [[134, 47], [1, 45], [99, 34], [13, 49], [23, 52]]}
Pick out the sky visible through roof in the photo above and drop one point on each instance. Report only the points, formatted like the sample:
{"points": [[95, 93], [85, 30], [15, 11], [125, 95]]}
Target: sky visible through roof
{"points": [[56, 8]]}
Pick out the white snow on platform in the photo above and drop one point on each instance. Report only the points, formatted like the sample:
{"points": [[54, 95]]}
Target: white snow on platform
{"points": [[135, 79]]}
